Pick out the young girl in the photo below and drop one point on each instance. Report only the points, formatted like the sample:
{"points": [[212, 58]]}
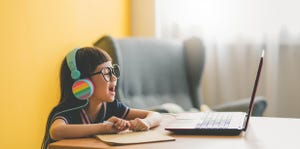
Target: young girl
{"points": [[84, 112]]}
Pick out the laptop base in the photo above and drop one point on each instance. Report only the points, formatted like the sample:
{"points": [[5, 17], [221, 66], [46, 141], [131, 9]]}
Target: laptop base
{"points": [[214, 132]]}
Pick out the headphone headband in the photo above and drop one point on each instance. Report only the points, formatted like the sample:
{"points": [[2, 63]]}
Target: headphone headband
{"points": [[71, 61], [82, 88]]}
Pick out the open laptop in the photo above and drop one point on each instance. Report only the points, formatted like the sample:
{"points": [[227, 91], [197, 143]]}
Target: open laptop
{"points": [[215, 123]]}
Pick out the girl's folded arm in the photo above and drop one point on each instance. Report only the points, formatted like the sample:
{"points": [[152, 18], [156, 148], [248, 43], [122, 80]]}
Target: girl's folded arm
{"points": [[60, 130], [152, 118]]}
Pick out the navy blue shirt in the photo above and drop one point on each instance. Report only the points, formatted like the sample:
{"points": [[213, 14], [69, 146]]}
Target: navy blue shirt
{"points": [[79, 116], [108, 109]]}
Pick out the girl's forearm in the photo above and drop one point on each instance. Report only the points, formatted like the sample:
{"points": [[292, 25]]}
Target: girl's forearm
{"points": [[76, 130]]}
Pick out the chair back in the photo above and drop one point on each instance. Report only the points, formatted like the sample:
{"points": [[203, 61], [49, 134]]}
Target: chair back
{"points": [[156, 71]]}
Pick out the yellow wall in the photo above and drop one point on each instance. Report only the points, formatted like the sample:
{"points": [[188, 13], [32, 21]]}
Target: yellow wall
{"points": [[35, 35]]}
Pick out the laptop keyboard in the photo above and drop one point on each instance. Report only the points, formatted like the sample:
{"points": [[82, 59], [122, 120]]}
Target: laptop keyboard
{"points": [[219, 120]]}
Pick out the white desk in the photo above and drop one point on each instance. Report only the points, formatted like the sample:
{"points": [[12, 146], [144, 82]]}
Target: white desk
{"points": [[262, 133]]}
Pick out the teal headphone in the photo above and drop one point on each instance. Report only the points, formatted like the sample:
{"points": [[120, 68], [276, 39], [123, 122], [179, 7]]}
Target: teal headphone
{"points": [[81, 88]]}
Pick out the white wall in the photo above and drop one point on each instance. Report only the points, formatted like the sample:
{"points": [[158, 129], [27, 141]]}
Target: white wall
{"points": [[225, 19]]}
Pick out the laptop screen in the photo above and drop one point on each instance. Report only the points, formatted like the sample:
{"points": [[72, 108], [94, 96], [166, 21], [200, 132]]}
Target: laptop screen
{"points": [[254, 89]]}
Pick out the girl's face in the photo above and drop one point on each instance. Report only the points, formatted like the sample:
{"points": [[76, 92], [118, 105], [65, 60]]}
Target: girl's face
{"points": [[104, 91]]}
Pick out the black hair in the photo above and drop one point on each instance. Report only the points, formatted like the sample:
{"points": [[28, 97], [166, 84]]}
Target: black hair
{"points": [[87, 60]]}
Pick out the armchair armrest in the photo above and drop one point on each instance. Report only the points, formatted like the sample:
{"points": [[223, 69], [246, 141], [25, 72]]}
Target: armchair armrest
{"points": [[260, 105]]}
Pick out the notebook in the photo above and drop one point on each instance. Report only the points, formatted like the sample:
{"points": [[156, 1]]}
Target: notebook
{"points": [[215, 123], [130, 137]]}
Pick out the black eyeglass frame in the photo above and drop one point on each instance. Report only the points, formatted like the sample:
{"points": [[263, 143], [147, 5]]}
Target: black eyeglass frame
{"points": [[114, 70]]}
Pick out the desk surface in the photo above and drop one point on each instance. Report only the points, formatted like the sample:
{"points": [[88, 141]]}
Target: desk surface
{"points": [[263, 132]]}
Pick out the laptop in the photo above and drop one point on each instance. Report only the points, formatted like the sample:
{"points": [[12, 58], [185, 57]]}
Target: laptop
{"points": [[215, 123]]}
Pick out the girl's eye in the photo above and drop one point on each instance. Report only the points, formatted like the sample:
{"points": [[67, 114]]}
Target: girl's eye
{"points": [[106, 71]]}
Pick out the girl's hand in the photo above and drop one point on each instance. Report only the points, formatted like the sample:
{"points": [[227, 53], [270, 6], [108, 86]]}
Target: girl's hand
{"points": [[109, 128], [119, 124], [139, 125]]}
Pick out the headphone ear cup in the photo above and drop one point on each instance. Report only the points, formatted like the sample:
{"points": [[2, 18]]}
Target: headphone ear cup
{"points": [[83, 89]]}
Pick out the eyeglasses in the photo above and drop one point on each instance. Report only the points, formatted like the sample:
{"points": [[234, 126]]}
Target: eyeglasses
{"points": [[107, 72]]}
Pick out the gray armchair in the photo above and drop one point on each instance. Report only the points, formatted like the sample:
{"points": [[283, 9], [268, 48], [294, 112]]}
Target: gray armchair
{"points": [[164, 75]]}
